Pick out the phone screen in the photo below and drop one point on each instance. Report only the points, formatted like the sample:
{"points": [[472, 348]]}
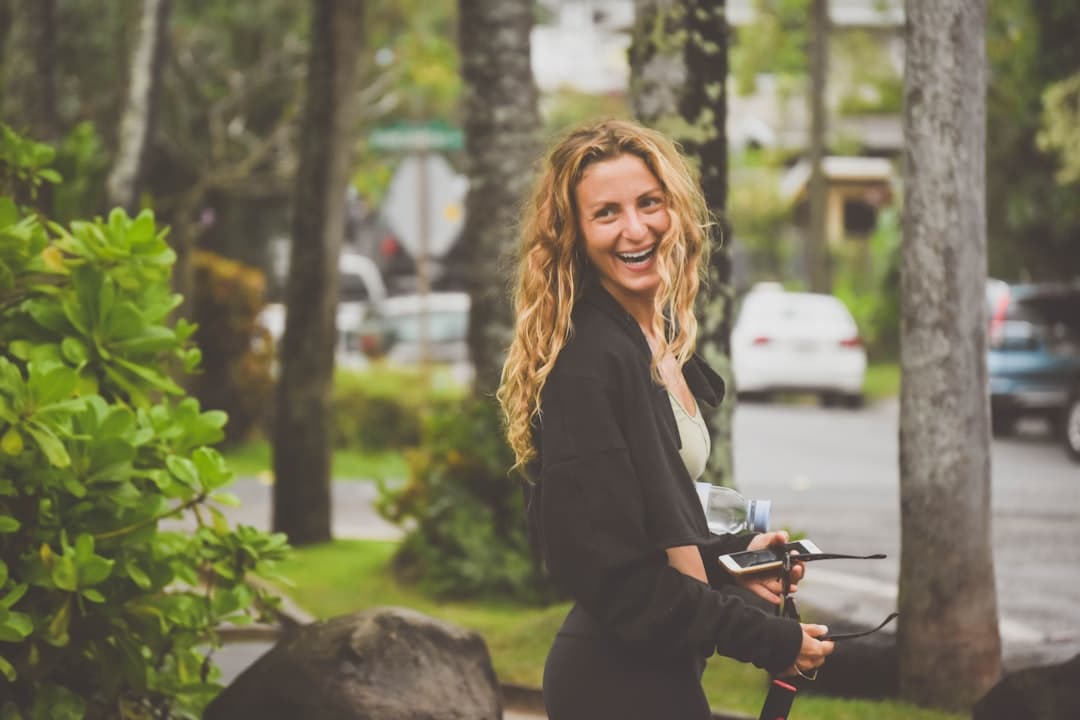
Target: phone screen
{"points": [[751, 558], [767, 556]]}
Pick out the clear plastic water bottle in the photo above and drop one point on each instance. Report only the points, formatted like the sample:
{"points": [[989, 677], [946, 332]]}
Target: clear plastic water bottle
{"points": [[729, 512]]}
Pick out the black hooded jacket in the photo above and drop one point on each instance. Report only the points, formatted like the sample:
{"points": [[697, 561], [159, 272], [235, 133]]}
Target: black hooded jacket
{"points": [[611, 493]]}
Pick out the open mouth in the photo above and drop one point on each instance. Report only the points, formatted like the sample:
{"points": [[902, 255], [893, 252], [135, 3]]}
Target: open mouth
{"points": [[638, 257]]}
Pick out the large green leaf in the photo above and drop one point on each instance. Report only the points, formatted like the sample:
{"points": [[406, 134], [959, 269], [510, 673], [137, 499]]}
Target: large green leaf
{"points": [[53, 385], [64, 573], [74, 351], [50, 445], [8, 671], [9, 212], [154, 378], [14, 626]]}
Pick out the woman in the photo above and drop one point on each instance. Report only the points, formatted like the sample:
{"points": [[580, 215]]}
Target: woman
{"points": [[600, 391]]}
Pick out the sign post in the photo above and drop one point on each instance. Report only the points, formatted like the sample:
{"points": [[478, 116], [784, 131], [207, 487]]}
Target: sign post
{"points": [[409, 209]]}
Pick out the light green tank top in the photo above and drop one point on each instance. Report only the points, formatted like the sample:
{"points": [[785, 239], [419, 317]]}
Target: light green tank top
{"points": [[694, 436]]}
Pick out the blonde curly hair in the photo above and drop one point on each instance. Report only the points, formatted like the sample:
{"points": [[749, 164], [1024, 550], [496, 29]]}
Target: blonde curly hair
{"points": [[552, 264]]}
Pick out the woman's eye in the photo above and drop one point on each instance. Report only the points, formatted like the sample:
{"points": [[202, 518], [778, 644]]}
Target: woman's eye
{"points": [[651, 202], [604, 212]]}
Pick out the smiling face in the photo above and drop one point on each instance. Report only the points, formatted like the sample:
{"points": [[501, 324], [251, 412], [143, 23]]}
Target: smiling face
{"points": [[622, 214]]}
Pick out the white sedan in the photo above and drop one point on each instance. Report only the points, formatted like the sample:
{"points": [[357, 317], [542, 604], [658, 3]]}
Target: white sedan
{"points": [[797, 342]]}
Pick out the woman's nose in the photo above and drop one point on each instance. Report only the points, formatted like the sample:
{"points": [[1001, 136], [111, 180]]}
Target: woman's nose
{"points": [[635, 227]]}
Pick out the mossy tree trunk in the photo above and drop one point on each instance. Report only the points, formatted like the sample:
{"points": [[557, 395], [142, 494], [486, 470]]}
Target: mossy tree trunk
{"points": [[502, 126], [949, 645], [679, 67], [302, 434]]}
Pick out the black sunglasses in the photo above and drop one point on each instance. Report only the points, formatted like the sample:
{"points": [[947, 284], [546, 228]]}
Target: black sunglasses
{"points": [[787, 603]]}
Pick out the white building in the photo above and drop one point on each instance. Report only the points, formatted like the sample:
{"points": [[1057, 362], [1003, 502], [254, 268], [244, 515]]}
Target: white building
{"points": [[583, 45]]}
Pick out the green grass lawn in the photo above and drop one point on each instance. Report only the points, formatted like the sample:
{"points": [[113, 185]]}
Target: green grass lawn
{"points": [[346, 576], [253, 458], [882, 381]]}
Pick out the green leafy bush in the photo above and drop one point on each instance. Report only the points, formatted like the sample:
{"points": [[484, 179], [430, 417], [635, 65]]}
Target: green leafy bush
{"points": [[868, 281], [103, 613], [464, 512], [235, 375], [382, 408]]}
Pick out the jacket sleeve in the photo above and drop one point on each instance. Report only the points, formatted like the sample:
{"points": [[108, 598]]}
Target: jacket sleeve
{"points": [[595, 544], [716, 546]]}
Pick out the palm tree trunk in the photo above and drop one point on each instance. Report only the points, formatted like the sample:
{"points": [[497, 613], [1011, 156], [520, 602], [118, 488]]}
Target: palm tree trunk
{"points": [[949, 646], [502, 126], [678, 76], [302, 415], [817, 240]]}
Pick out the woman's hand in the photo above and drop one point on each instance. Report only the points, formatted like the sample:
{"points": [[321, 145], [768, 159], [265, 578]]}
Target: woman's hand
{"points": [[768, 585], [813, 651]]}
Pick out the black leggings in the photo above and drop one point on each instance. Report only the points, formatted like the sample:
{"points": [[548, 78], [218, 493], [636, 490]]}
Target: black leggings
{"points": [[587, 678]]}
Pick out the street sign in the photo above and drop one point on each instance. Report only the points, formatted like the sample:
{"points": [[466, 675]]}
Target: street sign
{"points": [[419, 178], [434, 135]]}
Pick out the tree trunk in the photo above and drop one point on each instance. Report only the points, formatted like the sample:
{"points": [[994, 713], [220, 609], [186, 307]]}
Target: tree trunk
{"points": [[949, 647], [678, 75], [301, 419], [29, 82], [502, 126], [817, 240], [137, 125]]}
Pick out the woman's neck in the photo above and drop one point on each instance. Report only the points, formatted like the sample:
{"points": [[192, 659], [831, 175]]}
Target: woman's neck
{"points": [[642, 309]]}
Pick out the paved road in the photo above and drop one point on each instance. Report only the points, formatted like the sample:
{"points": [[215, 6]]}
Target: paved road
{"points": [[834, 475]]}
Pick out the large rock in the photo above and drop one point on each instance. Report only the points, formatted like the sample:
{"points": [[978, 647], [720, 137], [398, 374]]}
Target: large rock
{"points": [[388, 663], [1051, 692]]}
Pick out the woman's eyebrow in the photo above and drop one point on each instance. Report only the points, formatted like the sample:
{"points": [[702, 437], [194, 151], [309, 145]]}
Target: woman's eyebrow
{"points": [[655, 190], [600, 205]]}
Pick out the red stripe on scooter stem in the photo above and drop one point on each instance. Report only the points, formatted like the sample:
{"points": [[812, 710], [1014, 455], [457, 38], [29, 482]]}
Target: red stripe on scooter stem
{"points": [[784, 685]]}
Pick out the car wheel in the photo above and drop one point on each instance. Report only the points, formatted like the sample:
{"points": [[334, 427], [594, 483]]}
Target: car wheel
{"points": [[1002, 423], [754, 396], [1070, 428], [831, 399]]}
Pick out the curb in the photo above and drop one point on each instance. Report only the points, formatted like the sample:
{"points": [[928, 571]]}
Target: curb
{"points": [[525, 699]]}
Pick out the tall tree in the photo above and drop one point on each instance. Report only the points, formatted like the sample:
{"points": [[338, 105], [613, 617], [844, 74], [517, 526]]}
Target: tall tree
{"points": [[817, 241], [301, 432], [949, 646], [29, 82], [678, 76], [226, 143], [137, 125], [502, 126]]}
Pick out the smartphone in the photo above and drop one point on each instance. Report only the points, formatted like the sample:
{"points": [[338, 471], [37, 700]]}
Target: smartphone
{"points": [[753, 561]]}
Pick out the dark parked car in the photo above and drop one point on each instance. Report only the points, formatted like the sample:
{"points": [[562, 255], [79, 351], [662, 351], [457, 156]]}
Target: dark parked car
{"points": [[1034, 357]]}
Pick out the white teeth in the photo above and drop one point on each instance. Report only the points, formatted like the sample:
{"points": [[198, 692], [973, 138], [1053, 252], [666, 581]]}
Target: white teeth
{"points": [[638, 256]]}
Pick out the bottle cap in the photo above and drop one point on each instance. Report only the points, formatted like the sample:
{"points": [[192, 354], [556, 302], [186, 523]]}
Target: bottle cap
{"points": [[759, 515]]}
